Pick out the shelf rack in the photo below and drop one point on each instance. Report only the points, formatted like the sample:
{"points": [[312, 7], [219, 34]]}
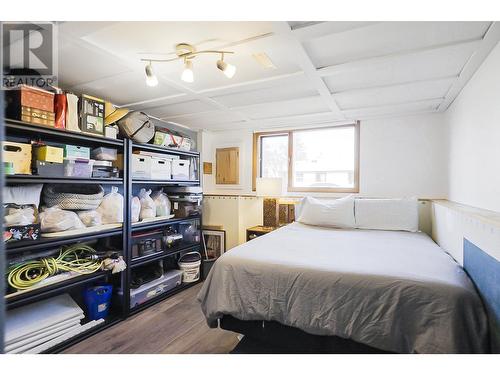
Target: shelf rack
{"points": [[21, 131]]}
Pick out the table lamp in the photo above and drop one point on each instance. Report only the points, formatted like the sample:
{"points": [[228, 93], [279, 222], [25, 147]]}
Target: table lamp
{"points": [[271, 189]]}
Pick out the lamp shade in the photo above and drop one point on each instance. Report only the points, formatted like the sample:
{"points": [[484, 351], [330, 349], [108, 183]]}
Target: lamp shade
{"points": [[269, 186]]}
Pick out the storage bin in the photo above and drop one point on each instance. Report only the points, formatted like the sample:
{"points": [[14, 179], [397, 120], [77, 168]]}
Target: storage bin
{"points": [[19, 154], [97, 301], [104, 153], [78, 168], [168, 281], [180, 169], [76, 152], [50, 154], [49, 169], [161, 169], [141, 166]]}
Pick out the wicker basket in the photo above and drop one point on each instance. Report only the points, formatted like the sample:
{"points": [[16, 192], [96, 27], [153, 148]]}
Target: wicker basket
{"points": [[73, 197]]}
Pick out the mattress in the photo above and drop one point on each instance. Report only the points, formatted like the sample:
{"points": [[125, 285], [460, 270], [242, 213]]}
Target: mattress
{"points": [[395, 291]]}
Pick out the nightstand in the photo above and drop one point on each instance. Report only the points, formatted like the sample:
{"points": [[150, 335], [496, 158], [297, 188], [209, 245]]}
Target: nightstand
{"points": [[258, 231]]}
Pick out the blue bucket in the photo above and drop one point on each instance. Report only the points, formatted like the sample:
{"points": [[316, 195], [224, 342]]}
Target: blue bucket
{"points": [[97, 300]]}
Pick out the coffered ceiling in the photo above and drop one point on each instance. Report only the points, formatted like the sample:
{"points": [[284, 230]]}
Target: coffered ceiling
{"points": [[323, 71]]}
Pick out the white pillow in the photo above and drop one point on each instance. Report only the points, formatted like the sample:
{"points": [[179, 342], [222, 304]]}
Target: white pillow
{"points": [[336, 214], [387, 214]]}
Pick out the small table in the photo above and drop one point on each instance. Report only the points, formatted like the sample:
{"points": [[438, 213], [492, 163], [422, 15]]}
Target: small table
{"points": [[258, 231]]}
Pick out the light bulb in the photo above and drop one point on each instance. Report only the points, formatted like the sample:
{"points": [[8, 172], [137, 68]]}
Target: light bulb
{"points": [[230, 70], [151, 79], [226, 68], [187, 74]]}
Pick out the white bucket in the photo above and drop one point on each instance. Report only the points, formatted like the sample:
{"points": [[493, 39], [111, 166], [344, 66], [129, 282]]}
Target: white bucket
{"points": [[190, 270]]}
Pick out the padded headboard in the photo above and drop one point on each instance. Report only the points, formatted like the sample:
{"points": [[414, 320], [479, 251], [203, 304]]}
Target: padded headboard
{"points": [[484, 271]]}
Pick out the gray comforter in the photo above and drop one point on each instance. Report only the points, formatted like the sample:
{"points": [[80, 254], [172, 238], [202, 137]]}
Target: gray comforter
{"points": [[396, 291]]}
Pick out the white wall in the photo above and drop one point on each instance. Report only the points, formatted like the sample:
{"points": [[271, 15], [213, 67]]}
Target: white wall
{"points": [[400, 156], [404, 156], [473, 122]]}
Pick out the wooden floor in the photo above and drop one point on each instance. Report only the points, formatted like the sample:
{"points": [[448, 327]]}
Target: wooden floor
{"points": [[175, 325]]}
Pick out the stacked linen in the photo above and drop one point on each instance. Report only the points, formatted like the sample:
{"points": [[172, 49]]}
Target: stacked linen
{"points": [[39, 326]]}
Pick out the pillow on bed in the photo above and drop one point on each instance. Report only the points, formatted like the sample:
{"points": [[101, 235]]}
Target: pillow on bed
{"points": [[386, 214], [336, 214]]}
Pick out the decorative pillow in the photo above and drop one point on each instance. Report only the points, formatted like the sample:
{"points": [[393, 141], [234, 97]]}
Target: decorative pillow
{"points": [[336, 214], [387, 214]]}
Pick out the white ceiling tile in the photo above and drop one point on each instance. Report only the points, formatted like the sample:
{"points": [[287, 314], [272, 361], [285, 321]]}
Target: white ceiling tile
{"points": [[285, 108], [297, 87], [437, 63], [180, 109], [127, 88], [397, 94], [389, 37], [78, 65], [208, 119], [415, 107]]}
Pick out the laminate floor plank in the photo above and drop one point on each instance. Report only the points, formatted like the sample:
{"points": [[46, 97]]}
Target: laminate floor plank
{"points": [[175, 325]]}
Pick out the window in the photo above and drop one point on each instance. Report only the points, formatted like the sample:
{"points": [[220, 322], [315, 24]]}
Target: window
{"points": [[321, 159]]}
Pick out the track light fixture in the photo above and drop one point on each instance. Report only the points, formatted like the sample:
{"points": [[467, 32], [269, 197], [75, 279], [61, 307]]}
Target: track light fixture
{"points": [[226, 68], [187, 52], [151, 79]]}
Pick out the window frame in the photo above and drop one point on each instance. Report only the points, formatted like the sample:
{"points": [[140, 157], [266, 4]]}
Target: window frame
{"points": [[257, 159]]}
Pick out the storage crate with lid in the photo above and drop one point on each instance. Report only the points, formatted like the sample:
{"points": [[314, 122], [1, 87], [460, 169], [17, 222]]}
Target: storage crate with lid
{"points": [[76, 152], [180, 169], [78, 168], [104, 153]]}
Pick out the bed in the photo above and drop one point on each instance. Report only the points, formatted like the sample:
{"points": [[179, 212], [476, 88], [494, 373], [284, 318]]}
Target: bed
{"points": [[394, 291]]}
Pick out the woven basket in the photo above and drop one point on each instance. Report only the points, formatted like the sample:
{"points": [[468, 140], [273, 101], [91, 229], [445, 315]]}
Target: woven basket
{"points": [[73, 197]]}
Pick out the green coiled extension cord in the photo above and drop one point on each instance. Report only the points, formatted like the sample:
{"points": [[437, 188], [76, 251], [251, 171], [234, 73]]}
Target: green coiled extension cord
{"points": [[77, 258]]}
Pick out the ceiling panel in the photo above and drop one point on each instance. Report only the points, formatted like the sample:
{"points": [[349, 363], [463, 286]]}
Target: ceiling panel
{"points": [[293, 88], [209, 119], [389, 37], [127, 88], [438, 63], [286, 108], [393, 94], [180, 109], [408, 108], [78, 64]]}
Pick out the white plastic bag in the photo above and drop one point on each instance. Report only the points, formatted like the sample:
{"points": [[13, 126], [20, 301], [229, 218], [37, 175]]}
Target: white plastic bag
{"points": [[20, 215], [111, 207], [148, 207], [90, 218], [162, 203], [54, 219], [136, 209]]}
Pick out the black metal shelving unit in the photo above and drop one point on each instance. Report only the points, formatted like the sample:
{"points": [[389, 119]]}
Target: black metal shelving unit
{"points": [[24, 132], [167, 185]]}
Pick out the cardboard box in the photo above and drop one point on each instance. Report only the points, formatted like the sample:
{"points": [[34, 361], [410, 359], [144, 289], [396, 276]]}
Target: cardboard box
{"points": [[50, 154], [161, 169], [19, 154], [180, 169], [141, 166]]}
